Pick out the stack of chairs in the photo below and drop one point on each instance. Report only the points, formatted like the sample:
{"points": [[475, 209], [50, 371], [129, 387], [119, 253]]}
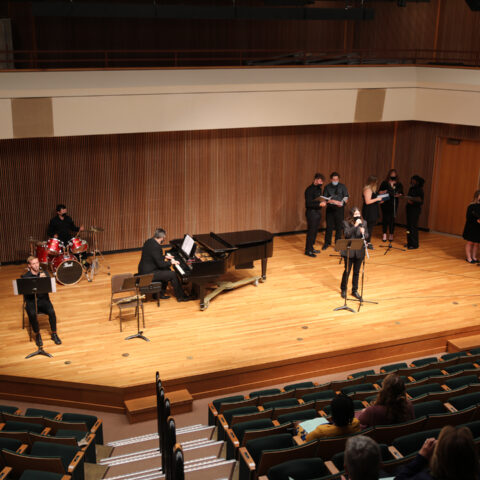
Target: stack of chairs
{"points": [[258, 427], [45, 444]]}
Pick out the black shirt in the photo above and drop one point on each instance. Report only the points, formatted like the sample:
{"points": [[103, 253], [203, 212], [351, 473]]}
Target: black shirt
{"points": [[336, 192], [152, 258], [385, 185], [415, 191], [311, 193], [41, 296], [64, 229]]}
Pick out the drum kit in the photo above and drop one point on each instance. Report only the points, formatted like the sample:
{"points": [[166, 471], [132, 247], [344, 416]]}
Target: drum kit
{"points": [[69, 262]]}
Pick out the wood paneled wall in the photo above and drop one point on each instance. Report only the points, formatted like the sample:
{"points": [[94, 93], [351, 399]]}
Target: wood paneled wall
{"points": [[198, 181], [438, 24]]}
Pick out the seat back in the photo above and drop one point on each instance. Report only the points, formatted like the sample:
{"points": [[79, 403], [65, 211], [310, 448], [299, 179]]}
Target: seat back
{"points": [[387, 433], [256, 446], [299, 469], [269, 458], [274, 397], [293, 409], [265, 432], [412, 443], [428, 408], [462, 402], [21, 462], [459, 382], [296, 386], [224, 406], [36, 412], [240, 428], [297, 416], [11, 426], [414, 391], [322, 395], [285, 402], [439, 420]]}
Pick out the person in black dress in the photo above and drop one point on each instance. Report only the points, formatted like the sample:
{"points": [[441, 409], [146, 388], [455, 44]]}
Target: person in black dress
{"points": [[338, 194], [154, 261], [471, 232], [354, 227], [370, 206], [62, 226], [394, 188], [313, 212], [414, 207], [44, 305]]}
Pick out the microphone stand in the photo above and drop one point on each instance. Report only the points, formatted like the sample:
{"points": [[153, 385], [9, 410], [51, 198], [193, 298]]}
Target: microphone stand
{"points": [[361, 301], [390, 246]]}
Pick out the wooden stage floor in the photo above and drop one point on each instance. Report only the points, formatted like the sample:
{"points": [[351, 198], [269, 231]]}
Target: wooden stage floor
{"points": [[280, 331]]}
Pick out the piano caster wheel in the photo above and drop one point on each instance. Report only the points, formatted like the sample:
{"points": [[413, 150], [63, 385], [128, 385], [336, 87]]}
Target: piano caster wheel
{"points": [[204, 306]]}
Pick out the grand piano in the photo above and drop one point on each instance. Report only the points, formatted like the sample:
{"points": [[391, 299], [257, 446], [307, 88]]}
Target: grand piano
{"points": [[205, 258]]}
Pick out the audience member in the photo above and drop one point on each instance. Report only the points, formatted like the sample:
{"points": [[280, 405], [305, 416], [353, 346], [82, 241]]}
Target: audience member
{"points": [[391, 405], [452, 457], [362, 458]]}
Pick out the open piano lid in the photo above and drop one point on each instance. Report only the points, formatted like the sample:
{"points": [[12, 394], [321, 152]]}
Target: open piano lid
{"points": [[228, 242]]}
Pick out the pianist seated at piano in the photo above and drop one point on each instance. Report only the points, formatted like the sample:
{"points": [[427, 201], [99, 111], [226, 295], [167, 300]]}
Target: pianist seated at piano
{"points": [[154, 261]]}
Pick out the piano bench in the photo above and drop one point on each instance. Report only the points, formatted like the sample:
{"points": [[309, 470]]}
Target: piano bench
{"points": [[153, 289]]}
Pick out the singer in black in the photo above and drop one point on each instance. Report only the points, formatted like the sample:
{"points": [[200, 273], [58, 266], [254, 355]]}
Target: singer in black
{"points": [[414, 208], [313, 212], [394, 188], [61, 226], [354, 227], [471, 232], [154, 261], [338, 194], [44, 305]]}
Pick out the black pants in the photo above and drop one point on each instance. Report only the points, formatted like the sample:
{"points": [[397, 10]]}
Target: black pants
{"points": [[356, 263], [370, 225], [334, 217], [388, 221], [44, 305], [314, 218], [166, 276], [413, 214]]}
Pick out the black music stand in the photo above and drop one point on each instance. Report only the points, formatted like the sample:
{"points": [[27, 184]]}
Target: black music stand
{"points": [[348, 244], [34, 286], [138, 282]]}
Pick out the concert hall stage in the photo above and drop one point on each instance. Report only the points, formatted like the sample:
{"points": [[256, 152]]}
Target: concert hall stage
{"points": [[280, 331]]}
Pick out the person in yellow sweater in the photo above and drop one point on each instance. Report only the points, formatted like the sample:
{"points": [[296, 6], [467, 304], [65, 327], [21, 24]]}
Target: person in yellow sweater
{"points": [[343, 418]]}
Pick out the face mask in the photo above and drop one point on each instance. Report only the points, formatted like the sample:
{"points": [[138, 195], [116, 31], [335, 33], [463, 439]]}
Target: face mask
{"points": [[393, 178], [334, 184], [357, 218]]}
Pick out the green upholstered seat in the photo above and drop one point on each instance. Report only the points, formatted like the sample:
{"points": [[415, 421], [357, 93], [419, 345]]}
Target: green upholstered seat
{"points": [[10, 443], [235, 398], [240, 428], [285, 402], [420, 362], [362, 373], [228, 414], [256, 446], [8, 409], [37, 412], [299, 469], [323, 395], [361, 387], [297, 416], [434, 372], [474, 428], [462, 381], [428, 408], [11, 426], [460, 367], [393, 367], [461, 402], [89, 420], [295, 386], [424, 389], [449, 356], [268, 391], [39, 475], [412, 443]]}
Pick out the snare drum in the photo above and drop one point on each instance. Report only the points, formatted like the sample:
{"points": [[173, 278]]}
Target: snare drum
{"points": [[77, 245], [42, 252], [67, 269], [55, 246]]}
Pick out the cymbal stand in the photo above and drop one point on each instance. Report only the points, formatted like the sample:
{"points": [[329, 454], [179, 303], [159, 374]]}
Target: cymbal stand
{"points": [[96, 262]]}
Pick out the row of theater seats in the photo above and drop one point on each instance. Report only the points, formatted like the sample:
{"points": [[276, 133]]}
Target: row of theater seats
{"points": [[47, 445], [443, 390]]}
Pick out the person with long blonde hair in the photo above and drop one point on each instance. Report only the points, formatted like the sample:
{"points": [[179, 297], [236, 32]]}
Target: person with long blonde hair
{"points": [[370, 206], [471, 232]]}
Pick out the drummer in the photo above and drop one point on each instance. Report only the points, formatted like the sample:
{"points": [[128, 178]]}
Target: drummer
{"points": [[62, 226]]}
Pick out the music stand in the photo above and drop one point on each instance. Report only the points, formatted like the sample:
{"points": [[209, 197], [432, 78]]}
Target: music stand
{"points": [[34, 286], [138, 282], [348, 244]]}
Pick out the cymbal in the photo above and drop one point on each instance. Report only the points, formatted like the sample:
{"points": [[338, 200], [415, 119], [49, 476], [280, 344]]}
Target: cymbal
{"points": [[94, 229]]}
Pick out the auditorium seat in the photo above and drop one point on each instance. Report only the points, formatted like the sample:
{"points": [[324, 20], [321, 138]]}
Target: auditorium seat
{"points": [[393, 367], [296, 386], [22, 437], [285, 402], [93, 423], [462, 402], [459, 382], [298, 416], [260, 454], [299, 469], [8, 409], [11, 426], [475, 351], [357, 405], [237, 438], [460, 367], [361, 387], [361, 374], [266, 392], [228, 403], [324, 395], [441, 396], [271, 397], [48, 457], [429, 408], [449, 356], [339, 458], [238, 415], [235, 434], [414, 391], [439, 420], [364, 395], [420, 362], [474, 428], [278, 411], [328, 447], [387, 433], [434, 372], [412, 443], [36, 412]]}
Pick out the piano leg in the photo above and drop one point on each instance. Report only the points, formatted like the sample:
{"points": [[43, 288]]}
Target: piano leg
{"points": [[264, 269]]}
